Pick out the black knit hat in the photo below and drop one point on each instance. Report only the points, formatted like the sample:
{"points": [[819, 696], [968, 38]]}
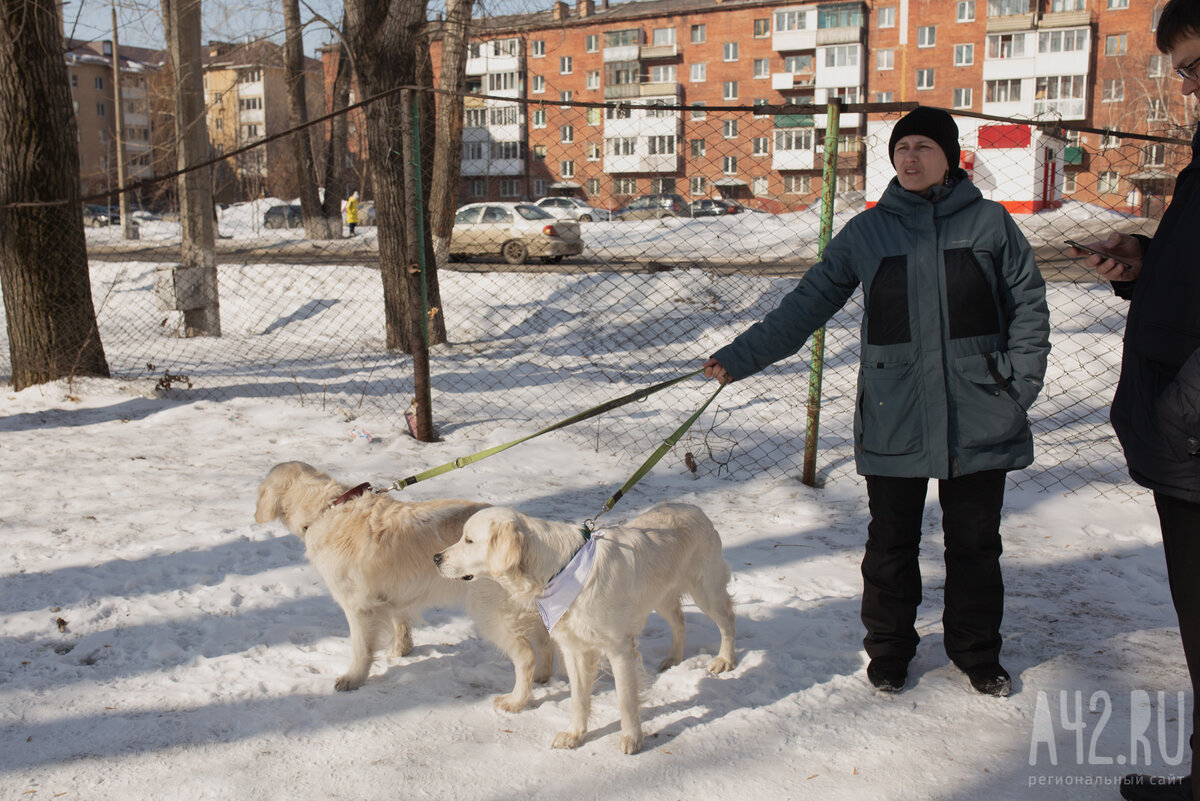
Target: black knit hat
{"points": [[938, 125]]}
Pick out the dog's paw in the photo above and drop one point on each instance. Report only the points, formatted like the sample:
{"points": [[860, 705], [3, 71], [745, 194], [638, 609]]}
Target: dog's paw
{"points": [[667, 664], [347, 683], [509, 703], [567, 739], [631, 743], [402, 645], [721, 664]]}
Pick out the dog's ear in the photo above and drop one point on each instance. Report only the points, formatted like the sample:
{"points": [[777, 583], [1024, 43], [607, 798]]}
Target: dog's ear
{"points": [[268, 502], [504, 548]]}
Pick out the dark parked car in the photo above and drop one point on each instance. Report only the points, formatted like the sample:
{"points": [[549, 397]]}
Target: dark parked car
{"points": [[715, 207], [283, 217], [653, 207], [97, 216]]}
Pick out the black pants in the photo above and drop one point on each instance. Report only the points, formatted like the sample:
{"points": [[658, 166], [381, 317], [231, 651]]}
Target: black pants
{"points": [[1180, 522], [974, 602]]}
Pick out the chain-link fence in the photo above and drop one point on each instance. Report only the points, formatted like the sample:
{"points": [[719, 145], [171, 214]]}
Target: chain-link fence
{"points": [[684, 226]]}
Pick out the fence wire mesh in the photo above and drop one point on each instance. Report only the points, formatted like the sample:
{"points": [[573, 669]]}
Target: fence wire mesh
{"points": [[536, 334]]}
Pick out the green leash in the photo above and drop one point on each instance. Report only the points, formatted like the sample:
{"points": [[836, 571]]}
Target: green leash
{"points": [[463, 461], [590, 525]]}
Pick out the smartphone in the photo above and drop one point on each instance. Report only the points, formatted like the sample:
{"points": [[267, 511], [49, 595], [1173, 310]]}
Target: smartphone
{"points": [[1087, 249]]}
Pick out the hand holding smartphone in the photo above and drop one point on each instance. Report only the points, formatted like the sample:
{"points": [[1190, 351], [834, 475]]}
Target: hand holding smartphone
{"points": [[1100, 253]]}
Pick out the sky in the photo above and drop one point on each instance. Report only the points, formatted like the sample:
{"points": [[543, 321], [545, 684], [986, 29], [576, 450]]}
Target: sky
{"points": [[159, 644]]}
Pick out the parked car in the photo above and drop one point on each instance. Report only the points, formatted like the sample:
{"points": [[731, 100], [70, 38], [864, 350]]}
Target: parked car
{"points": [[652, 207], [572, 208], [97, 216], [283, 217], [514, 232], [715, 207]]}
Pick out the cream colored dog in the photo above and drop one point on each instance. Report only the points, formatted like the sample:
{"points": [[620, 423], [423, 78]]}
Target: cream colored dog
{"points": [[644, 566], [376, 556]]}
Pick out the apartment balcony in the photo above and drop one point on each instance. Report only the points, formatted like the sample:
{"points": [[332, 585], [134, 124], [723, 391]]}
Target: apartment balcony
{"points": [[846, 159], [789, 41], [622, 90], [794, 160], [482, 65], [849, 34], [792, 81], [623, 53], [252, 117], [487, 166], [660, 89], [1066, 19], [1068, 109], [642, 163], [649, 52], [1011, 22]]}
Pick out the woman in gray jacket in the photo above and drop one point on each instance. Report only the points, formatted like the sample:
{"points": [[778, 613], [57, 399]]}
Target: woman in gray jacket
{"points": [[955, 338]]}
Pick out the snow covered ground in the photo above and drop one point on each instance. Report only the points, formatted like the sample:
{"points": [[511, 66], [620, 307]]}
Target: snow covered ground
{"points": [[158, 644]]}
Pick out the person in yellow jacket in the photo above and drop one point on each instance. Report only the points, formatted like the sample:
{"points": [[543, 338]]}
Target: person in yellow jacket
{"points": [[352, 212]]}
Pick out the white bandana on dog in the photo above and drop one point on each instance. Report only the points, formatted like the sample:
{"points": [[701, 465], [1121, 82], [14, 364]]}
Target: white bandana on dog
{"points": [[562, 590]]}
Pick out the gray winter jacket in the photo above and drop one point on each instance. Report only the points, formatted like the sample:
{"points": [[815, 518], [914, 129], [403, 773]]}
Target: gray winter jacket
{"points": [[954, 338]]}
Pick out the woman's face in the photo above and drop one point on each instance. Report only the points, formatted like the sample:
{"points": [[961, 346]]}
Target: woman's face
{"points": [[920, 163]]}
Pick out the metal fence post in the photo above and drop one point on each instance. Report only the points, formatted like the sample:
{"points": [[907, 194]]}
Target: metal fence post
{"points": [[421, 424], [828, 180]]}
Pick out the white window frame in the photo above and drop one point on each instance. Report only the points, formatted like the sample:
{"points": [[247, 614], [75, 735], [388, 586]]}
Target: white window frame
{"points": [[927, 36], [925, 79], [729, 51], [885, 59], [964, 54], [698, 72]]}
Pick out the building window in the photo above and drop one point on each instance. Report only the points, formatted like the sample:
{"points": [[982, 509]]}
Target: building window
{"points": [[760, 146], [887, 17], [472, 151], [962, 98], [594, 151], [538, 48], [1108, 183], [477, 187], [539, 118], [729, 51], [927, 36], [661, 145], [925, 78], [729, 129], [1058, 6], [964, 11], [565, 65], [759, 185], [1002, 91], [510, 187], [760, 107], [664, 73], [884, 97], [506, 151], [1115, 45], [1007, 8], [793, 139], [964, 55], [1064, 41], [698, 185], [698, 112], [625, 186], [885, 59], [566, 169], [762, 68], [502, 81], [797, 184], [593, 186], [729, 165], [729, 90], [699, 34], [1070, 183], [842, 56], [699, 72], [565, 97], [592, 81], [1010, 45], [762, 28], [663, 36], [566, 134], [840, 15], [539, 152], [1155, 155], [621, 145], [591, 43], [1159, 66], [1156, 110], [1108, 141], [595, 116], [539, 187], [1113, 91], [1116, 5], [99, 109], [697, 148]]}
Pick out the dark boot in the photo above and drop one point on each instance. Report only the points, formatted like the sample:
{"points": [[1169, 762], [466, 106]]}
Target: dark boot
{"points": [[990, 679], [888, 673]]}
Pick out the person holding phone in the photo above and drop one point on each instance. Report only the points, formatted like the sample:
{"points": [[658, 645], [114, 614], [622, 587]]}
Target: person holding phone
{"points": [[1156, 407], [955, 340]]}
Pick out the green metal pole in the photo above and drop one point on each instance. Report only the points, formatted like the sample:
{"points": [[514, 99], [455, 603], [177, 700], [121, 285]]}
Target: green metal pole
{"points": [[828, 181]]}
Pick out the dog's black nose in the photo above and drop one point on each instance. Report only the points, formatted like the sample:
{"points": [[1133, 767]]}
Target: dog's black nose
{"points": [[437, 558]]}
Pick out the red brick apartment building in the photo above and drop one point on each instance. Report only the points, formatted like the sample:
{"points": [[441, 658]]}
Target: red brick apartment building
{"points": [[1090, 63]]}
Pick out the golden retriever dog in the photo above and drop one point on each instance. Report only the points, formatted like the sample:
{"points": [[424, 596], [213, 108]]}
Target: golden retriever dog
{"points": [[376, 556], [643, 566]]}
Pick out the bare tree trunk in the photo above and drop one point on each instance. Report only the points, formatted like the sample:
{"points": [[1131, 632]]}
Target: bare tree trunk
{"points": [[388, 45], [48, 305], [335, 147], [198, 272], [447, 154], [322, 219]]}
